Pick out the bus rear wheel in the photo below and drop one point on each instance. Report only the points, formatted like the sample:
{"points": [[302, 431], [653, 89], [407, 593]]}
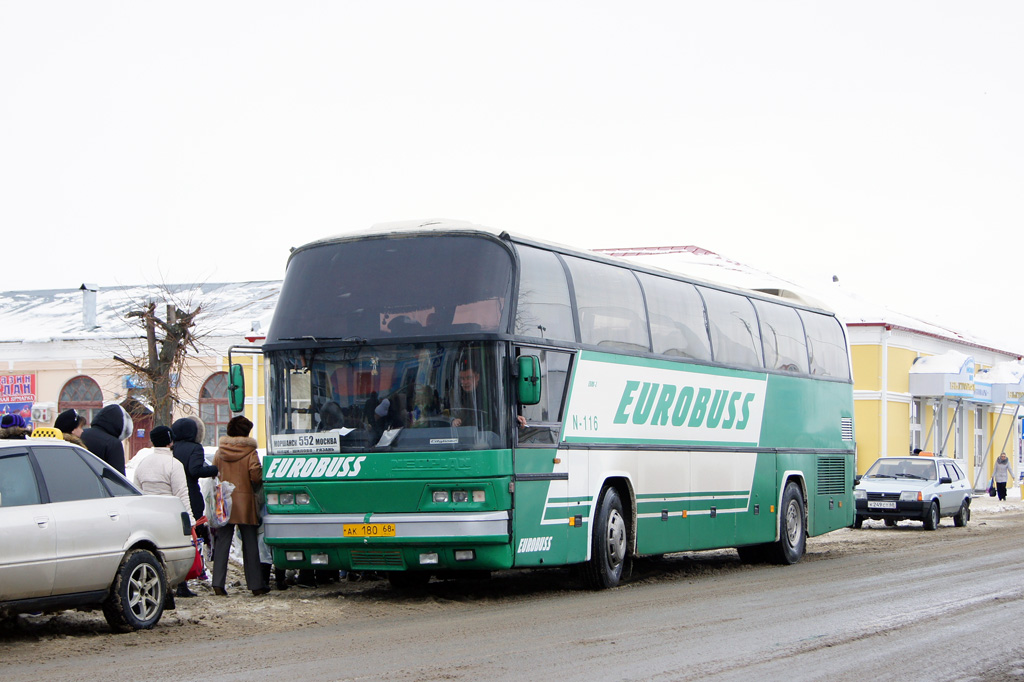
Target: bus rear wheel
{"points": [[610, 542], [792, 526]]}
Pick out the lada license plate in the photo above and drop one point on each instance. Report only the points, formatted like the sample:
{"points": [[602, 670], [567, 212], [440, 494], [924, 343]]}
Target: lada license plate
{"points": [[368, 530], [881, 504]]}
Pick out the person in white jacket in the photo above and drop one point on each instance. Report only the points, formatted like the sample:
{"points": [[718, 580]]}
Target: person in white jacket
{"points": [[161, 474]]}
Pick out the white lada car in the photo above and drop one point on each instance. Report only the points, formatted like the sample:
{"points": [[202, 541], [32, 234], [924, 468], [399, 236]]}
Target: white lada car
{"points": [[75, 534], [916, 488]]}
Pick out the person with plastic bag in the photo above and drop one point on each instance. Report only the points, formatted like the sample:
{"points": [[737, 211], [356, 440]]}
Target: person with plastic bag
{"points": [[239, 466], [1002, 473], [188, 433]]}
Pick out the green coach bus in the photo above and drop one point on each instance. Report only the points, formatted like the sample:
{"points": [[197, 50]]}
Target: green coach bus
{"points": [[443, 398]]}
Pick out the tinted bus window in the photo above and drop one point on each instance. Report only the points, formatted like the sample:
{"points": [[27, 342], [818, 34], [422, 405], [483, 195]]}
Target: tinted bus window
{"points": [[826, 345], [544, 309], [395, 287], [676, 313], [735, 338], [611, 307], [782, 333]]}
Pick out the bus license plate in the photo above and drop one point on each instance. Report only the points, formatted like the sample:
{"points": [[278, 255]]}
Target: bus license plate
{"points": [[881, 505], [368, 530]]}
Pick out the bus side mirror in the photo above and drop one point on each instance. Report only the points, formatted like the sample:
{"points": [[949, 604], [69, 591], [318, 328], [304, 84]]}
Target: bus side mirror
{"points": [[529, 379], [236, 388]]}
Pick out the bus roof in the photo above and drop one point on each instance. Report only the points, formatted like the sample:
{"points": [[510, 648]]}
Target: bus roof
{"points": [[766, 287]]}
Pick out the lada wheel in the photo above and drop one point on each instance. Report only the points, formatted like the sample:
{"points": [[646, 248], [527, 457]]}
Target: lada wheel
{"points": [[963, 516], [136, 599], [931, 521]]}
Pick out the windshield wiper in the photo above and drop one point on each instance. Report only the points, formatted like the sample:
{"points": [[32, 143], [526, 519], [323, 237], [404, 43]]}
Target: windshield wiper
{"points": [[920, 478], [880, 476]]}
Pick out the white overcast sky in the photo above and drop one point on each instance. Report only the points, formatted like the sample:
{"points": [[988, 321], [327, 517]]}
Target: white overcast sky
{"points": [[881, 142]]}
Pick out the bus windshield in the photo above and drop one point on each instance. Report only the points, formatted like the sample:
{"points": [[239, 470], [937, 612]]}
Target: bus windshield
{"points": [[397, 287], [412, 397]]}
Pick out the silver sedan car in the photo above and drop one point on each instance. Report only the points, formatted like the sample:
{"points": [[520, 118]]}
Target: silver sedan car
{"points": [[918, 488], [75, 534]]}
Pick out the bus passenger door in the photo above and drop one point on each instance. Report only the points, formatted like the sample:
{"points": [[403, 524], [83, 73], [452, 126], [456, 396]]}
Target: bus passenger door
{"points": [[540, 514]]}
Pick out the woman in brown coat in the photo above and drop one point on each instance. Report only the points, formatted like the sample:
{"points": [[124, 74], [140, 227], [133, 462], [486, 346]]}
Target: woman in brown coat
{"points": [[238, 463]]}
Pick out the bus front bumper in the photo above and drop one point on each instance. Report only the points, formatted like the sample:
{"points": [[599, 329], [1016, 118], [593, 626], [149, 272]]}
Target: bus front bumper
{"points": [[409, 541]]}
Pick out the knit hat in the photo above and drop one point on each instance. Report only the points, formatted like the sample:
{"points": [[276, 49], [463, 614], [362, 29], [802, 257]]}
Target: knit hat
{"points": [[160, 437], [9, 420], [239, 426], [67, 421]]}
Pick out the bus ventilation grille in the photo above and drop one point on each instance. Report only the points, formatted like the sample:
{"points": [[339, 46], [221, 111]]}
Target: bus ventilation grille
{"points": [[369, 559], [846, 426], [831, 475]]}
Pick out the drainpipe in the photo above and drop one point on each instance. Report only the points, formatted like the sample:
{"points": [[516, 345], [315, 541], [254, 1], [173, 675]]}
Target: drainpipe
{"points": [[88, 306], [886, 333]]}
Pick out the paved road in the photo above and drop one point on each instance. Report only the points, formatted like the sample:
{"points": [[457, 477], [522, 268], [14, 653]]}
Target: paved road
{"points": [[877, 604]]}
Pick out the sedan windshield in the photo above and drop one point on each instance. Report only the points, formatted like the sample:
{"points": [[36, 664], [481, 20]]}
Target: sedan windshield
{"points": [[903, 468], [424, 396]]}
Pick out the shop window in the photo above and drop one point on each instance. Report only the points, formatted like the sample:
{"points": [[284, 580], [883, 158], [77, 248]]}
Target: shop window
{"points": [[84, 395], [916, 410], [213, 408], [979, 436]]}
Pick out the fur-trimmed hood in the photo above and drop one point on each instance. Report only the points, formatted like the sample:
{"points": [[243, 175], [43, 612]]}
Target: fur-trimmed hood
{"points": [[189, 429], [234, 448], [15, 432]]}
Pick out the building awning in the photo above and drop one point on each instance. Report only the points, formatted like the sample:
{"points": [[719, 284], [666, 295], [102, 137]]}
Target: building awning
{"points": [[950, 375], [1007, 381]]}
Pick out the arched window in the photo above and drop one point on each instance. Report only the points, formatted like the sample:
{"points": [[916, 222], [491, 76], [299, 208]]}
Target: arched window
{"points": [[83, 394], [213, 407]]}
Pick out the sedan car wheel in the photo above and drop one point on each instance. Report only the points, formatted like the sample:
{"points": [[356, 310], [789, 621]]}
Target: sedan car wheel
{"points": [[962, 516], [931, 521], [136, 599]]}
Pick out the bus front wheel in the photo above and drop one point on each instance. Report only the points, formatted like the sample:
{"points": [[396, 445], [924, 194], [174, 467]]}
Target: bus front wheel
{"points": [[792, 526], [610, 542]]}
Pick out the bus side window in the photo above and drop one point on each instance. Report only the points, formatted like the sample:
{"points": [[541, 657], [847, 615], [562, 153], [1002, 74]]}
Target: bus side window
{"points": [[544, 420], [826, 345]]}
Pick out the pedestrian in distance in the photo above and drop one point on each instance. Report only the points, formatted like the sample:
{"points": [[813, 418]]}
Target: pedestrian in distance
{"points": [[239, 465], [71, 424], [110, 426], [1001, 474]]}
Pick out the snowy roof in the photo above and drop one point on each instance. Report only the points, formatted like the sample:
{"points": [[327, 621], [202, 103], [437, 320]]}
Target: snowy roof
{"points": [[57, 314], [950, 362], [1011, 373], [698, 263]]}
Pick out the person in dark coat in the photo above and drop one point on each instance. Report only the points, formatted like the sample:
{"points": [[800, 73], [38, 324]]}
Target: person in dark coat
{"points": [[110, 426], [188, 435]]}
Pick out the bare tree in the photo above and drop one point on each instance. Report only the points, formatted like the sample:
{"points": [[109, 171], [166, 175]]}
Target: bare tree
{"points": [[161, 359]]}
